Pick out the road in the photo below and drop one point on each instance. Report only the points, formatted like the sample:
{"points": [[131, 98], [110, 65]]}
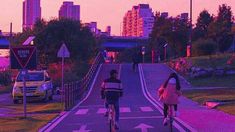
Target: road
{"points": [[137, 112]]}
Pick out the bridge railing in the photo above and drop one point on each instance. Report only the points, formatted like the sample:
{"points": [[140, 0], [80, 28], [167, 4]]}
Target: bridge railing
{"points": [[75, 91]]}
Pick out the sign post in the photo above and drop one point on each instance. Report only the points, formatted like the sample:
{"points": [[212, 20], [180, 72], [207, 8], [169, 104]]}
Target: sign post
{"points": [[24, 74], [63, 53], [23, 57]]}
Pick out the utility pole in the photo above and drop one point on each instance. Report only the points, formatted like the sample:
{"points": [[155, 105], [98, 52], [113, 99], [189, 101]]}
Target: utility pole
{"points": [[189, 46]]}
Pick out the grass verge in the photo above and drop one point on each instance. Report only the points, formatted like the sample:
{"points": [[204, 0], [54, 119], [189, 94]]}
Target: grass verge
{"points": [[39, 114], [202, 95], [5, 89], [216, 81], [19, 124]]}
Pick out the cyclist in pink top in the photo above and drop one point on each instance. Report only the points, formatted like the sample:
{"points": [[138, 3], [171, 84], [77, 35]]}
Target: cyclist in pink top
{"points": [[169, 94]]}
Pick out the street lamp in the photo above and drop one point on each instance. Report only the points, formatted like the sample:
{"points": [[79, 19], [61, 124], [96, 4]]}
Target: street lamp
{"points": [[143, 52], [189, 46], [165, 47]]}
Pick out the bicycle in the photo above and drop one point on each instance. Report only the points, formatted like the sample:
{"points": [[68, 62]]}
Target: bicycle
{"points": [[171, 115], [111, 117]]}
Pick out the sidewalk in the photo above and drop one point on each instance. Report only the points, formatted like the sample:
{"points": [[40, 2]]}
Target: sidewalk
{"points": [[199, 117]]}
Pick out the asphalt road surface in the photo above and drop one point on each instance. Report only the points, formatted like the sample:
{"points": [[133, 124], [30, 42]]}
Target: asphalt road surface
{"points": [[137, 113]]}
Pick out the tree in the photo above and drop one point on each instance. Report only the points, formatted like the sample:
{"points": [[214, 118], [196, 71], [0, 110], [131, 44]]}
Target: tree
{"points": [[203, 22], [221, 29], [173, 31], [204, 47], [50, 36]]}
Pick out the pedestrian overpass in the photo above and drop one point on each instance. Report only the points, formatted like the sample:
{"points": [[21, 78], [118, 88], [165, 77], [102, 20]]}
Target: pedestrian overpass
{"points": [[117, 44]]}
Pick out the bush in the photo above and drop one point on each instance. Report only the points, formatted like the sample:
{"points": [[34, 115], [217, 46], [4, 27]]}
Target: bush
{"points": [[204, 47], [5, 78]]}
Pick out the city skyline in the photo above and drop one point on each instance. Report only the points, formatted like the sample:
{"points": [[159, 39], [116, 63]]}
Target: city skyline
{"points": [[105, 12]]}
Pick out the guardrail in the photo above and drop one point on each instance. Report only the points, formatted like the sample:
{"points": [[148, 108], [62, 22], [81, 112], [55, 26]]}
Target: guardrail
{"points": [[75, 90]]}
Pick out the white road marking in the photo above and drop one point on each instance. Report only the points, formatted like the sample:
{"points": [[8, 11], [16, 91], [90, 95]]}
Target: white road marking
{"points": [[82, 129], [146, 109], [81, 112], [55, 122], [101, 110], [144, 88], [125, 110], [142, 117], [158, 105]]}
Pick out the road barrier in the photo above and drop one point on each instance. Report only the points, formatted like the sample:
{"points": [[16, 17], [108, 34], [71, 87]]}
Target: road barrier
{"points": [[76, 90]]}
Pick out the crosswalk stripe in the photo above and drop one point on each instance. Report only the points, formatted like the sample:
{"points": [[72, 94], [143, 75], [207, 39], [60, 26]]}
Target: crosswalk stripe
{"points": [[125, 109], [146, 109], [101, 110], [81, 112]]}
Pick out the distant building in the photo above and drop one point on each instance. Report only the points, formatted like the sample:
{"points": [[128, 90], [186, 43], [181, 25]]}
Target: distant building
{"points": [[31, 12], [184, 16], [97, 32], [164, 14], [92, 26], [138, 22], [108, 30], [69, 10]]}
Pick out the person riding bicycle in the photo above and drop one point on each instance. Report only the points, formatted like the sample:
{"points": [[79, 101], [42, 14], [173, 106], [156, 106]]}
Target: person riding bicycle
{"points": [[169, 94], [111, 91]]}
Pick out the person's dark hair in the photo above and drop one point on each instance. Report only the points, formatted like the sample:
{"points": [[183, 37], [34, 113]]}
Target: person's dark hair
{"points": [[113, 72], [175, 76]]}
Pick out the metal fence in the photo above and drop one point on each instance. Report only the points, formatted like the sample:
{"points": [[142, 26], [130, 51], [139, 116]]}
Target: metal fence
{"points": [[75, 90]]}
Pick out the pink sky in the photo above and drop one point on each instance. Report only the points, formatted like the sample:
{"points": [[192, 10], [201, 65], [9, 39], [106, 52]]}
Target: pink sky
{"points": [[105, 12]]}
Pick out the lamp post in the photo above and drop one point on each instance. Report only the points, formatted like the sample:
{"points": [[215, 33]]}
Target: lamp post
{"points": [[189, 46], [143, 52], [165, 47]]}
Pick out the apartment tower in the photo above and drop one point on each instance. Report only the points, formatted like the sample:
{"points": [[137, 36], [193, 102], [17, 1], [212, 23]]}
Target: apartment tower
{"points": [[70, 11], [31, 12], [138, 22]]}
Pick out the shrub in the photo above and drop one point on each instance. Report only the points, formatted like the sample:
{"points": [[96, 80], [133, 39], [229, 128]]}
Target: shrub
{"points": [[204, 47], [5, 78]]}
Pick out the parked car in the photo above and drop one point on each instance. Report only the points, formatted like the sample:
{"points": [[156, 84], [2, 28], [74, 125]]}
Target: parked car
{"points": [[38, 86]]}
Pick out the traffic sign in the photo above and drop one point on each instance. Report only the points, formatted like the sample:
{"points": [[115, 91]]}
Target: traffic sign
{"points": [[23, 57], [63, 52], [29, 40]]}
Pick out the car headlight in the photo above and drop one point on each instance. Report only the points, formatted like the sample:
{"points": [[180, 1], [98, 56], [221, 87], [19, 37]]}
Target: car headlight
{"points": [[16, 90], [42, 88]]}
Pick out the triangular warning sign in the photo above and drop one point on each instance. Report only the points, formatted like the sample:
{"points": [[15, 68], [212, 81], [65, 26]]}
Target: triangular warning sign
{"points": [[23, 54], [63, 51]]}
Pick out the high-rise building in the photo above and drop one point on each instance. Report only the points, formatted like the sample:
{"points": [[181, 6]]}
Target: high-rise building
{"points": [[31, 12], [69, 10], [184, 16], [138, 22]]}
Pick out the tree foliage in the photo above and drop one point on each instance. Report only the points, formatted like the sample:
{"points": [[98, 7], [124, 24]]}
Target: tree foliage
{"points": [[220, 30], [203, 22], [49, 36], [173, 31], [204, 47]]}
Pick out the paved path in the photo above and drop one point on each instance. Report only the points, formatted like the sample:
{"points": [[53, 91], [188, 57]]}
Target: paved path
{"points": [[137, 113], [198, 117]]}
